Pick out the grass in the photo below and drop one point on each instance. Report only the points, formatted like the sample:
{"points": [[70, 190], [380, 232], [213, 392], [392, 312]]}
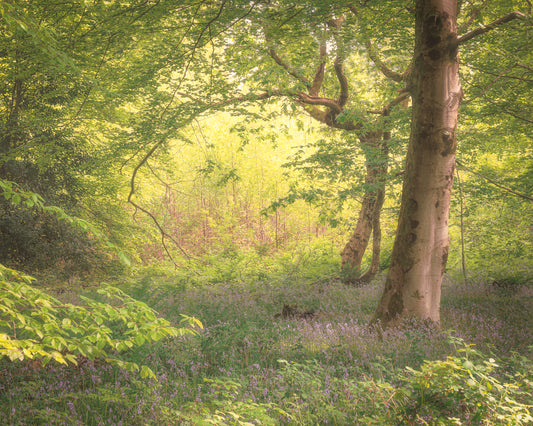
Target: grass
{"points": [[253, 365]]}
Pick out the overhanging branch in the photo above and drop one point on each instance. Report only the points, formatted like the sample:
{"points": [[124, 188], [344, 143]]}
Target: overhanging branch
{"points": [[332, 104], [489, 27]]}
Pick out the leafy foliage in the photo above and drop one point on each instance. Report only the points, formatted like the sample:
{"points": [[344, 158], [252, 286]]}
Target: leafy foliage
{"points": [[337, 369], [74, 243], [90, 89], [34, 325]]}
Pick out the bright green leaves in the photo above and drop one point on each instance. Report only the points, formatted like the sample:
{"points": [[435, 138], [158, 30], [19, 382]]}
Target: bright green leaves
{"points": [[12, 192], [468, 384], [466, 388], [35, 325]]}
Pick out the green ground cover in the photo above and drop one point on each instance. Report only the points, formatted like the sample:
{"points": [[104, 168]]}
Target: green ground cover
{"points": [[285, 342]]}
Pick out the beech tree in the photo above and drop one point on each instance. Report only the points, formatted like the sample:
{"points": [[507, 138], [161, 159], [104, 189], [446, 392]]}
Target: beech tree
{"points": [[126, 76], [420, 252], [267, 29], [315, 80], [341, 111], [321, 79]]}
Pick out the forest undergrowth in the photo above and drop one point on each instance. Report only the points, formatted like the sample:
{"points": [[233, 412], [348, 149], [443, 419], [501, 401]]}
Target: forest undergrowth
{"points": [[285, 342]]}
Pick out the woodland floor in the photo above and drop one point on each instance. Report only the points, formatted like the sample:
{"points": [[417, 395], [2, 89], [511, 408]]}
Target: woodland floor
{"points": [[280, 349]]}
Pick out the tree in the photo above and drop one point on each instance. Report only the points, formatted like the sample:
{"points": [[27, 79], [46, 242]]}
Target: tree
{"points": [[420, 252], [315, 79], [56, 110]]}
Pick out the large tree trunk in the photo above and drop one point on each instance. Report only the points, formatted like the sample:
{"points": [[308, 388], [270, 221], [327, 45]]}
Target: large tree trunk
{"points": [[368, 222], [418, 260]]}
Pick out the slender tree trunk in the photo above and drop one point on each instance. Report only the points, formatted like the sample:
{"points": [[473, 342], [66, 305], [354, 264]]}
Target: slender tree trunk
{"points": [[420, 252], [373, 269], [368, 222]]}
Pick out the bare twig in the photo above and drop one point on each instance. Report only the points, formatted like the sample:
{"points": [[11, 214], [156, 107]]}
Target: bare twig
{"points": [[475, 12], [518, 194], [164, 234]]}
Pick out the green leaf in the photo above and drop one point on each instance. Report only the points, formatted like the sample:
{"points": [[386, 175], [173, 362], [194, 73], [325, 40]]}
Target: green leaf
{"points": [[139, 339], [147, 372], [123, 258], [468, 365]]}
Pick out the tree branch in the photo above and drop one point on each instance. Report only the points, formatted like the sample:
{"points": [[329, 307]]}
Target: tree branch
{"points": [[319, 75], [511, 113], [475, 12], [386, 71], [486, 28], [343, 82], [315, 100], [328, 118], [289, 69], [164, 234], [525, 67], [338, 64], [487, 87], [403, 96], [314, 112], [525, 197]]}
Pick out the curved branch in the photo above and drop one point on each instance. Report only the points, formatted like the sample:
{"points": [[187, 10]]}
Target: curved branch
{"points": [[386, 71], [343, 82], [486, 28], [328, 118], [273, 54], [164, 234], [319, 75], [332, 104], [403, 96]]}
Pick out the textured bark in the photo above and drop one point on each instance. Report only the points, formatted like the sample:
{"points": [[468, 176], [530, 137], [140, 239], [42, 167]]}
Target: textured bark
{"points": [[373, 269], [418, 260], [368, 222]]}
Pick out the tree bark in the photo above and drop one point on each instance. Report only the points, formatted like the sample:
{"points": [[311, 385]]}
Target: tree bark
{"points": [[368, 222], [420, 252]]}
